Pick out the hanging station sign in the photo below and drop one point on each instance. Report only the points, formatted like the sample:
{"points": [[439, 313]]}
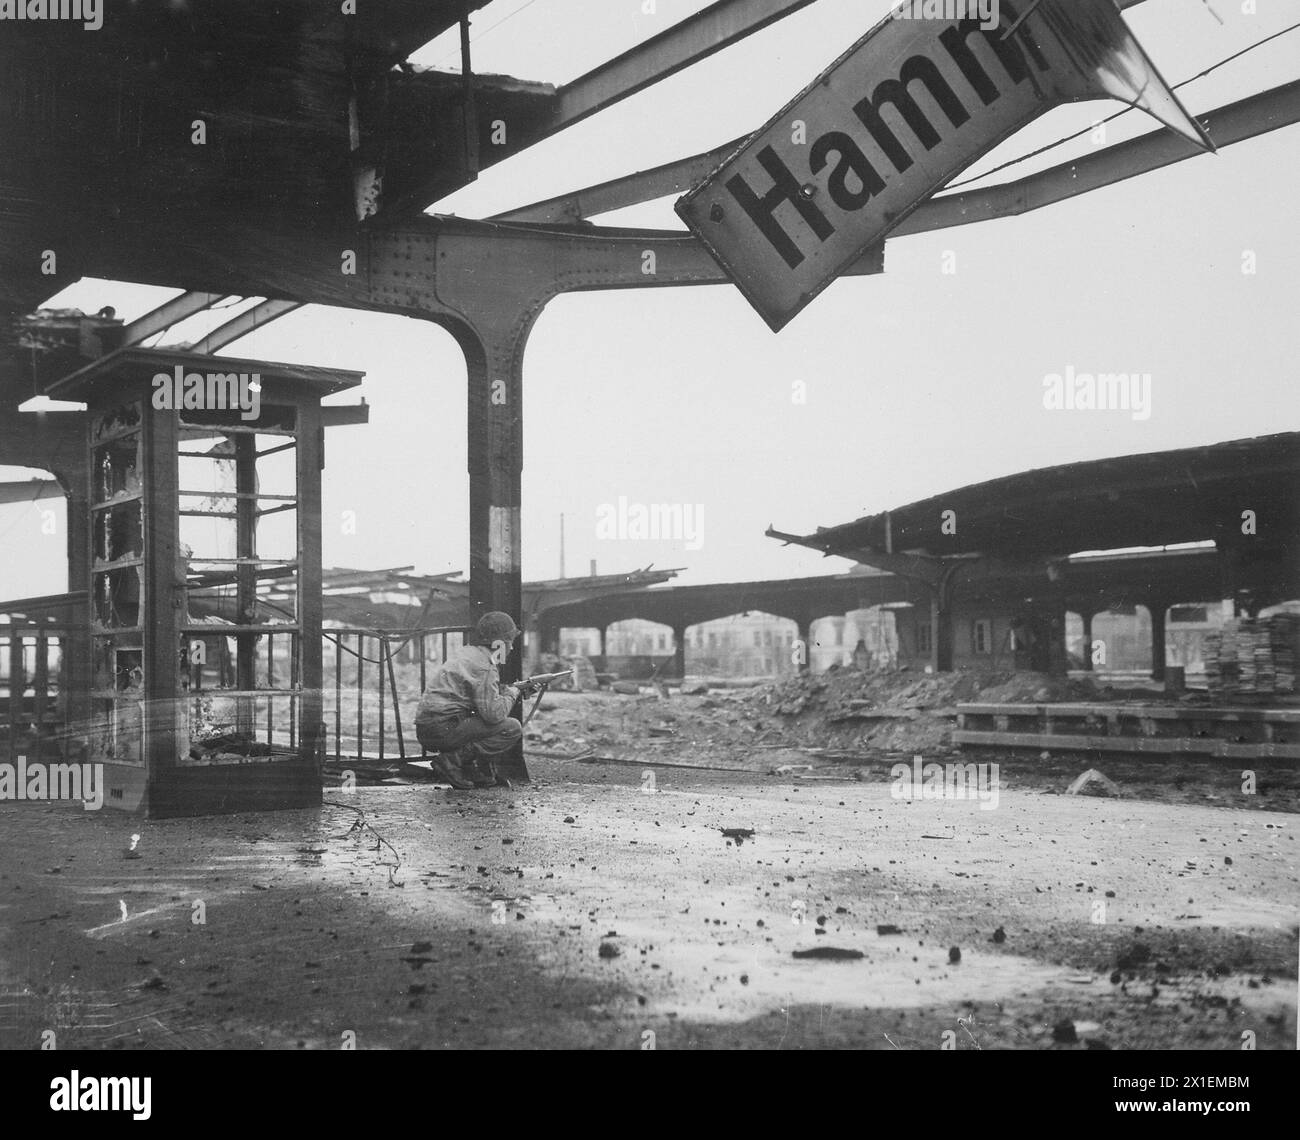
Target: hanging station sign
{"points": [[889, 123]]}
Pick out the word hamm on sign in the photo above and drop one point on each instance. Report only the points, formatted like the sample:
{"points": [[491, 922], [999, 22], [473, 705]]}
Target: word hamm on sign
{"points": [[910, 105]]}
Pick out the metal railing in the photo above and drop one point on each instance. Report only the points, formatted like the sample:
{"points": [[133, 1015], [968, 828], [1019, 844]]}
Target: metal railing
{"points": [[32, 705], [33, 635], [370, 678], [372, 675]]}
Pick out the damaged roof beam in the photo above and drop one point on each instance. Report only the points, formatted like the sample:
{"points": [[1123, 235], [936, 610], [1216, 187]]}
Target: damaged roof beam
{"points": [[1245, 119], [685, 43], [246, 322], [169, 313], [644, 186]]}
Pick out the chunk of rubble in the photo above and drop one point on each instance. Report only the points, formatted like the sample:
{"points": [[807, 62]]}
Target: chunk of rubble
{"points": [[1093, 783], [829, 954]]}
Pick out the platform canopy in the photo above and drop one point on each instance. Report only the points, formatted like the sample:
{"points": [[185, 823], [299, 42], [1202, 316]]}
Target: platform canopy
{"points": [[1161, 498], [142, 364]]}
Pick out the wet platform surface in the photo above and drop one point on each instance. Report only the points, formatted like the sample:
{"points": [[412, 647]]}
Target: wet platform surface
{"points": [[604, 907]]}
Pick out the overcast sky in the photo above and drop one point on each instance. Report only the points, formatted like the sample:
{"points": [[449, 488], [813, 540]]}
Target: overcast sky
{"points": [[916, 381]]}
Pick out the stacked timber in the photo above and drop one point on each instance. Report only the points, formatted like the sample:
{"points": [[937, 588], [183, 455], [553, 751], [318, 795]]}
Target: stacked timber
{"points": [[1253, 656]]}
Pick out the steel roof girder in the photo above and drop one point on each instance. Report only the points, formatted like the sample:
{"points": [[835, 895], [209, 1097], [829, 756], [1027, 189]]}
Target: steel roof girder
{"points": [[167, 314]]}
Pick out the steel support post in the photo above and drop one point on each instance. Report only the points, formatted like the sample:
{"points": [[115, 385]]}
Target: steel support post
{"points": [[494, 356], [310, 461], [942, 617], [679, 650], [805, 639], [1058, 658], [74, 649], [1058, 654], [1158, 608]]}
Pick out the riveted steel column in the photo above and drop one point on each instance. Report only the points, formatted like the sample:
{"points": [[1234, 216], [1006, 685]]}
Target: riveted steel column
{"points": [[494, 352]]}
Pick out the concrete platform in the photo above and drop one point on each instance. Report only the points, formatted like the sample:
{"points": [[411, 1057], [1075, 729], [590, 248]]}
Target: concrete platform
{"points": [[1226, 732], [416, 917]]}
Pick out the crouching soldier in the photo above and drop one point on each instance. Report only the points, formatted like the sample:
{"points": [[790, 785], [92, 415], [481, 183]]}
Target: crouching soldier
{"points": [[465, 711]]}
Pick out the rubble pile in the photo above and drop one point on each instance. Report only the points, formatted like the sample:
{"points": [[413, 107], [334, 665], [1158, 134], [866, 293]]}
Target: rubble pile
{"points": [[844, 711], [895, 711]]}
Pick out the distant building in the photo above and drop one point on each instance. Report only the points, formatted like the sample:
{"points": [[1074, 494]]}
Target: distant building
{"points": [[742, 645]]}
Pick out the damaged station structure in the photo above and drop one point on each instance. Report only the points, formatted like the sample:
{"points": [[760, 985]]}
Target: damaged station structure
{"points": [[221, 677]]}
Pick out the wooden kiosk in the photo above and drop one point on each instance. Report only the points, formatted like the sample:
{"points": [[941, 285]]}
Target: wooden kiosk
{"points": [[204, 493]]}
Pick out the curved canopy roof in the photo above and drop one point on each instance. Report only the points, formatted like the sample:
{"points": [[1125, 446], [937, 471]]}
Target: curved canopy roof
{"points": [[1160, 498]]}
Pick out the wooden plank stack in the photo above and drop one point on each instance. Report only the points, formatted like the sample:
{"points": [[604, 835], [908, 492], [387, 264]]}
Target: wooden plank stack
{"points": [[1254, 656]]}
